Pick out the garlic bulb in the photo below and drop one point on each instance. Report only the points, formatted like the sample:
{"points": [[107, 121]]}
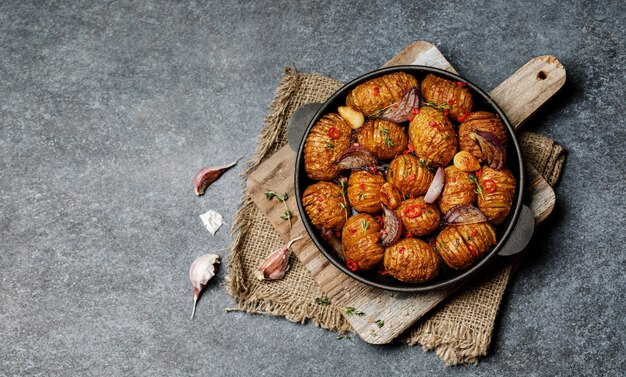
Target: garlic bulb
{"points": [[276, 264], [201, 271]]}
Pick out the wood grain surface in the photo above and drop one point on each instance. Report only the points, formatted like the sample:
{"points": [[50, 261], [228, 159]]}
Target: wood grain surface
{"points": [[519, 96]]}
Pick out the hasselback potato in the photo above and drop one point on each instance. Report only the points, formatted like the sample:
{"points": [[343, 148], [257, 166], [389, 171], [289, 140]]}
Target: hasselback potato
{"points": [[390, 196], [418, 218], [324, 204], [359, 240], [458, 189], [328, 138], [385, 139], [411, 260], [461, 245], [432, 136], [409, 175], [440, 91], [378, 93], [498, 191], [480, 121], [364, 191]]}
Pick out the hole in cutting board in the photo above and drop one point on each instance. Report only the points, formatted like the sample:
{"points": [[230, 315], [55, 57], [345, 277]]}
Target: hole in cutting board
{"points": [[542, 75]]}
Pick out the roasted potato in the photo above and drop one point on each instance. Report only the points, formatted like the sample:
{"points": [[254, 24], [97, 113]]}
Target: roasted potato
{"points": [[480, 121], [418, 218], [385, 139], [364, 191], [378, 93], [445, 92], [461, 245], [409, 175], [432, 136], [497, 189], [390, 196], [324, 203], [359, 240], [411, 260], [328, 138], [458, 189]]}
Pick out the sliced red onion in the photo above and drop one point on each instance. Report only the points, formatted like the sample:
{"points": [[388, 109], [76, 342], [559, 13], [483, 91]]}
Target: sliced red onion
{"points": [[356, 157], [393, 228], [494, 153], [334, 241], [464, 214], [436, 187], [401, 111]]}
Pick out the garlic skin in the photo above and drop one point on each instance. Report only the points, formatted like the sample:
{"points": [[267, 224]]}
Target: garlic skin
{"points": [[201, 271], [276, 264]]}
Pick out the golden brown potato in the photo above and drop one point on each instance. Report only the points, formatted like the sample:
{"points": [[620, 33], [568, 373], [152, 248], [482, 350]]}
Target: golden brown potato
{"points": [[328, 138], [458, 189], [323, 201], [432, 136], [383, 138], [390, 196], [461, 245], [498, 191], [480, 121], [364, 191], [408, 175], [378, 93], [418, 218], [411, 260], [359, 240], [445, 92]]}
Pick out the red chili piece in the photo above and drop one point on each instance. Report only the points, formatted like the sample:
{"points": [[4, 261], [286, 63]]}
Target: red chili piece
{"points": [[413, 211], [362, 186], [376, 91], [352, 265], [411, 117], [352, 231], [446, 112], [411, 177], [462, 118], [333, 133], [489, 185], [401, 250], [472, 250], [474, 233], [453, 179], [380, 220], [338, 233], [415, 111], [478, 172], [408, 235]]}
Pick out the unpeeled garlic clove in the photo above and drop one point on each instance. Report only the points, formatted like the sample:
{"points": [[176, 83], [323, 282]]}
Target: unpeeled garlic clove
{"points": [[201, 271], [208, 175], [276, 264]]}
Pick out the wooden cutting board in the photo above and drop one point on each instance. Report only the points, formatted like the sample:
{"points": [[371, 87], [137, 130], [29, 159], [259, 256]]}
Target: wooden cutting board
{"points": [[519, 96]]}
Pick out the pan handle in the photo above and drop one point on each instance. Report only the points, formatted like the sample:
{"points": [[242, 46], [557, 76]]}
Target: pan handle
{"points": [[298, 123], [522, 233]]}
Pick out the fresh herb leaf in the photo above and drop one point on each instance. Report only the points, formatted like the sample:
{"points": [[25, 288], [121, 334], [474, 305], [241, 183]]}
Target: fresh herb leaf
{"points": [[388, 142], [330, 145], [352, 311], [364, 224], [340, 336], [441, 107], [380, 323], [384, 131], [269, 194], [286, 215], [322, 301]]}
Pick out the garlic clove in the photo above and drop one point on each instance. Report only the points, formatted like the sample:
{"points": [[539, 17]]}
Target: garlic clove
{"points": [[276, 264], [207, 175], [201, 271]]}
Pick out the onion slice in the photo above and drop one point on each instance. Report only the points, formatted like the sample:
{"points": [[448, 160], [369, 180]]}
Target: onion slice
{"points": [[464, 214], [436, 187], [401, 111], [355, 157], [494, 152], [393, 227], [335, 242]]}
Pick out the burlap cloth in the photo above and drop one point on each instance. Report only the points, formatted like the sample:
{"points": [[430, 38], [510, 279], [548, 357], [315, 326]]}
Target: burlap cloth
{"points": [[459, 330]]}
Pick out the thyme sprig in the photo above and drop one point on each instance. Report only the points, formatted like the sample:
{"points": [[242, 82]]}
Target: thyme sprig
{"points": [[479, 188], [287, 215], [322, 301], [441, 107]]}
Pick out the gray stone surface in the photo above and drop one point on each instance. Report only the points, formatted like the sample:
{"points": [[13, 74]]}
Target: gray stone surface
{"points": [[108, 109]]}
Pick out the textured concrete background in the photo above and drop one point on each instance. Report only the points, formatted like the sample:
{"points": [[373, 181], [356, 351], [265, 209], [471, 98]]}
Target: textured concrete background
{"points": [[108, 109]]}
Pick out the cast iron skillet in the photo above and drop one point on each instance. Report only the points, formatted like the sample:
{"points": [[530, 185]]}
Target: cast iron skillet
{"points": [[513, 234]]}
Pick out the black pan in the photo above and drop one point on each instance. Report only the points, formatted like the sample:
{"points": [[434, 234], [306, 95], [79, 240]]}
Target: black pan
{"points": [[513, 234]]}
